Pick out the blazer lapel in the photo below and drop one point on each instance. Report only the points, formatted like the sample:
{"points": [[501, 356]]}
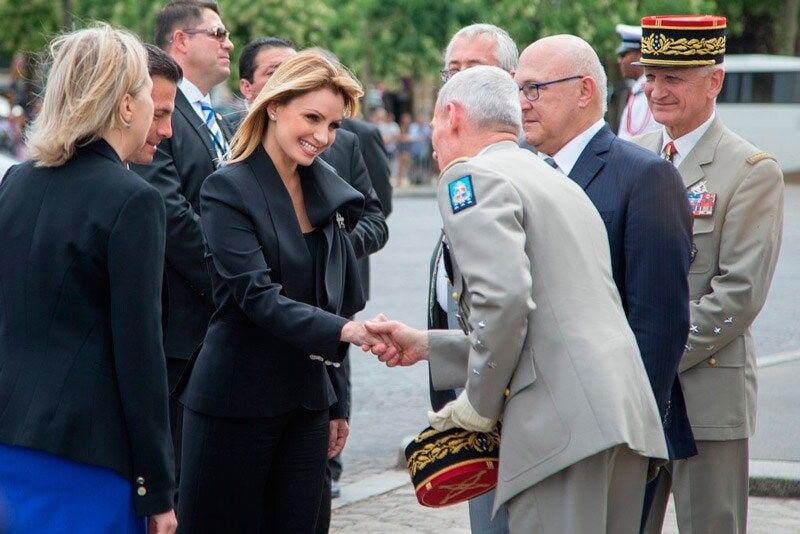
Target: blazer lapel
{"points": [[326, 195], [296, 266], [691, 168], [592, 159], [186, 109]]}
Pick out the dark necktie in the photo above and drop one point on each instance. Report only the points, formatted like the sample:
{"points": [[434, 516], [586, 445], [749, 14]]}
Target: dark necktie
{"points": [[550, 161]]}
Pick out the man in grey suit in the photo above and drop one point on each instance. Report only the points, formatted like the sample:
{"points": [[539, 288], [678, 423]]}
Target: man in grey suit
{"points": [[191, 33], [736, 192], [476, 44], [545, 344]]}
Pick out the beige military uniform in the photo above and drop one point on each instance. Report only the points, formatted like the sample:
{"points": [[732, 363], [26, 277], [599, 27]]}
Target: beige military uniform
{"points": [[736, 252], [548, 347]]}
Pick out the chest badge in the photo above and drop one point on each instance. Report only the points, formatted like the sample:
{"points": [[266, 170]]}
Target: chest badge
{"points": [[462, 194], [702, 204]]}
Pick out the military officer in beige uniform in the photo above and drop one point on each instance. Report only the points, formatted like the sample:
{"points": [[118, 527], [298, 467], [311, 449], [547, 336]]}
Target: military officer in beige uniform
{"points": [[736, 192], [547, 347]]}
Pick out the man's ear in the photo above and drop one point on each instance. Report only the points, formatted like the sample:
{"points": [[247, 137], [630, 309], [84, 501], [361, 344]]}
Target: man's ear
{"points": [[588, 90], [244, 88], [717, 77], [455, 116]]}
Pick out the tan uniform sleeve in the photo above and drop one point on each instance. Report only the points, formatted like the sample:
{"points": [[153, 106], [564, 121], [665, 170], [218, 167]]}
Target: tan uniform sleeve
{"points": [[488, 240]]}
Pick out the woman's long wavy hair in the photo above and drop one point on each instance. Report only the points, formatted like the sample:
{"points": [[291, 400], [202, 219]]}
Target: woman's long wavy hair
{"points": [[91, 70], [307, 71]]}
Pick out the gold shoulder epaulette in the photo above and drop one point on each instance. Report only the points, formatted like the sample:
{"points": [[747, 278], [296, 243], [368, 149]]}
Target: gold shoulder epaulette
{"points": [[760, 156], [457, 160]]}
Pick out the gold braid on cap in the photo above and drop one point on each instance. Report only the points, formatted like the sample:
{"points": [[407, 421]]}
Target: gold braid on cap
{"points": [[660, 44], [451, 444]]}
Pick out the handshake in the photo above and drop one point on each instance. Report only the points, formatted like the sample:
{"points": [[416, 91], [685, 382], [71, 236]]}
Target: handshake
{"points": [[393, 342]]}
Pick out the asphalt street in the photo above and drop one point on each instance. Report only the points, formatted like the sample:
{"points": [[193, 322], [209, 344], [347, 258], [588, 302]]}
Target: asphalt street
{"points": [[390, 404]]}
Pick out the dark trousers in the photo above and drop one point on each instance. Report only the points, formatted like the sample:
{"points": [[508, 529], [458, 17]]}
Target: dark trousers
{"points": [[174, 370], [334, 468], [252, 475]]}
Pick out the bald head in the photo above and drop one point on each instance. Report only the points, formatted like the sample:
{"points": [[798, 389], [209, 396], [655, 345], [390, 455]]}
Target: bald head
{"points": [[564, 109]]}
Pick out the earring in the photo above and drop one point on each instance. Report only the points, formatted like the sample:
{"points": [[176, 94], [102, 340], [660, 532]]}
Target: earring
{"points": [[271, 117], [126, 124]]}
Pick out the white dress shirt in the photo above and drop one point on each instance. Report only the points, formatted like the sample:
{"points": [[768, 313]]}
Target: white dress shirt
{"points": [[685, 143], [569, 153]]}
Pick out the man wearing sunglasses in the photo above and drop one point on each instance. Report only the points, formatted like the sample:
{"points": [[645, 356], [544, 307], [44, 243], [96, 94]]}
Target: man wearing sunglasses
{"points": [[193, 35], [641, 200]]}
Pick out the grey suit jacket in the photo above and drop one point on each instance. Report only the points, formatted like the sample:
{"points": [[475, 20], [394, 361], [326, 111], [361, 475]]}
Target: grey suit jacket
{"points": [[737, 249], [544, 320]]}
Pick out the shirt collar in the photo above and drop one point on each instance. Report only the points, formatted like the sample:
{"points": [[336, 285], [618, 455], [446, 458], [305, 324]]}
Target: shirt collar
{"points": [[569, 153], [685, 143], [192, 93]]}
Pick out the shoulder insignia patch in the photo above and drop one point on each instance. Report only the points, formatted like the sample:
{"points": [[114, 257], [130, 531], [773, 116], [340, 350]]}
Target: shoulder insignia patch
{"points": [[760, 156], [462, 194]]}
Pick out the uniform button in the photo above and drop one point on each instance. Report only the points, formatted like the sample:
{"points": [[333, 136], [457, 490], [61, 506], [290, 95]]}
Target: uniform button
{"points": [[507, 392], [455, 295], [140, 480], [141, 491], [712, 361]]}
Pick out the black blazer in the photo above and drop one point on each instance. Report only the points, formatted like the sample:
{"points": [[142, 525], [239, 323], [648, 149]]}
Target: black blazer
{"points": [[82, 371], [371, 232], [179, 167], [643, 203], [376, 158], [270, 318]]}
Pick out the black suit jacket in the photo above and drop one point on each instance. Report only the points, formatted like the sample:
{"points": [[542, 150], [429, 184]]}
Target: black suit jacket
{"points": [[368, 236], [643, 203], [270, 317], [82, 371], [179, 167], [376, 158], [371, 232]]}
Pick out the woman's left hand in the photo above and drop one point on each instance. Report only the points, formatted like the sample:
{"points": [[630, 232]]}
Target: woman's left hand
{"points": [[337, 436]]}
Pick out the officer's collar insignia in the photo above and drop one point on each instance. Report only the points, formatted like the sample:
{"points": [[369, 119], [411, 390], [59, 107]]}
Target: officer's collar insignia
{"points": [[462, 194]]}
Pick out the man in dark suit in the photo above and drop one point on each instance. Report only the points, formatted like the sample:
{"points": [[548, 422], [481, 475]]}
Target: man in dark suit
{"points": [[641, 199], [257, 63], [193, 35]]}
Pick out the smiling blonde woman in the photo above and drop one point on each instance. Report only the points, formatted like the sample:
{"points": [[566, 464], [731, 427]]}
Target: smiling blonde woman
{"points": [[261, 413]]}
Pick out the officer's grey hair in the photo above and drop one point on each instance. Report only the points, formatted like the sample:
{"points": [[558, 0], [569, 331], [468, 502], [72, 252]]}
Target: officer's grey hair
{"points": [[506, 54], [489, 96]]}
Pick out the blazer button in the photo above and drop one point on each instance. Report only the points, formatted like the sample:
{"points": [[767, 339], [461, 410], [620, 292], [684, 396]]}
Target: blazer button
{"points": [[141, 491], [455, 295], [507, 392], [140, 480], [712, 361]]}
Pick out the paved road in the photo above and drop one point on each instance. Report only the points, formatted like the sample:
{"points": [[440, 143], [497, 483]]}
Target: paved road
{"points": [[390, 404]]}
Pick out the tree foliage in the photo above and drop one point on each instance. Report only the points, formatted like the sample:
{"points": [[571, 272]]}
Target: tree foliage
{"points": [[392, 39]]}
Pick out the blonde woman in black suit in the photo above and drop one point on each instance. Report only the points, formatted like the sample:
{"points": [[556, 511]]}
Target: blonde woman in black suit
{"points": [[84, 441], [261, 414]]}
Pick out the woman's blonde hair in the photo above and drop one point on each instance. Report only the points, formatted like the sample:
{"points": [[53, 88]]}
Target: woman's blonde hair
{"points": [[307, 71], [91, 72]]}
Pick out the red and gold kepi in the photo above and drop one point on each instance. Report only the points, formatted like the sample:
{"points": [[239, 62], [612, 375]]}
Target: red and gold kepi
{"points": [[452, 466], [683, 40]]}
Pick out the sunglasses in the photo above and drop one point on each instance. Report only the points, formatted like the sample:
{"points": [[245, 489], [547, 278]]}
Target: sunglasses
{"points": [[217, 32]]}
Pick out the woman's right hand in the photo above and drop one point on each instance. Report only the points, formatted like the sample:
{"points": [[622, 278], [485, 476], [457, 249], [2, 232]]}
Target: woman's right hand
{"points": [[163, 523], [354, 332]]}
